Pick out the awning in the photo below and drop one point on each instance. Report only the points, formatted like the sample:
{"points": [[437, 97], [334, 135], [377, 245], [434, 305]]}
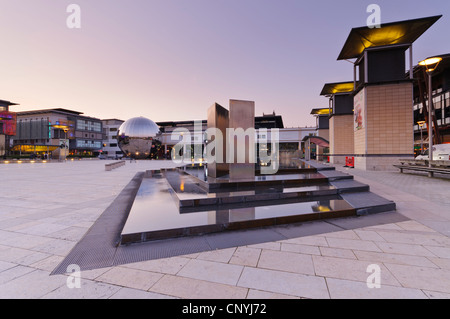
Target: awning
{"points": [[336, 88], [322, 111], [34, 148], [402, 32]]}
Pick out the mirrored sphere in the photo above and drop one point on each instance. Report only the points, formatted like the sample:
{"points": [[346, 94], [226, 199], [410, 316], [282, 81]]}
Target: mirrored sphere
{"points": [[138, 138]]}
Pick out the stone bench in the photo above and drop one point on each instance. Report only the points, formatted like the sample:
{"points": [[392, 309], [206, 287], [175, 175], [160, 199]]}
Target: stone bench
{"points": [[422, 166], [111, 166]]}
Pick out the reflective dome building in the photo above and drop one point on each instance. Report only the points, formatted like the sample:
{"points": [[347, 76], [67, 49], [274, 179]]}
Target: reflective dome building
{"points": [[138, 138]]}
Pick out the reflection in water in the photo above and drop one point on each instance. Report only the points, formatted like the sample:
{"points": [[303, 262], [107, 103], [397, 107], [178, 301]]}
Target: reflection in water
{"points": [[200, 171], [154, 209], [321, 208], [182, 186]]}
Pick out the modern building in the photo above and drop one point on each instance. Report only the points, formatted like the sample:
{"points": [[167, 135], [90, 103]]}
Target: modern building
{"points": [[172, 133], [110, 145], [341, 142], [383, 96], [8, 122], [290, 139], [321, 148], [57, 132], [441, 105]]}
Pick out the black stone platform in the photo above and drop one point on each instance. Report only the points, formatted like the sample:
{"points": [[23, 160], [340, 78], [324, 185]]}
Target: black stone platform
{"points": [[357, 194], [155, 215], [188, 194], [223, 184], [101, 245], [185, 202]]}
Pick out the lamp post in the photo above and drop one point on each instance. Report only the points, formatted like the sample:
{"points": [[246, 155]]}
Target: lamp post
{"points": [[421, 124], [66, 129], [430, 64]]}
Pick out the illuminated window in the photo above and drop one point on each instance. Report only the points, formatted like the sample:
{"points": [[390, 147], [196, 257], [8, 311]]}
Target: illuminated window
{"points": [[88, 144]]}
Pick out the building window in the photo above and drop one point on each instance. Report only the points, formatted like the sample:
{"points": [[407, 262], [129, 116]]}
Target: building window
{"points": [[447, 111], [113, 129], [88, 144], [97, 126], [113, 145], [85, 125]]}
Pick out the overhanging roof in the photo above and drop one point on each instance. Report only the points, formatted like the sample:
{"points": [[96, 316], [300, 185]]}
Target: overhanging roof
{"points": [[322, 111], [401, 32], [269, 121], [7, 103], [57, 110], [336, 88]]}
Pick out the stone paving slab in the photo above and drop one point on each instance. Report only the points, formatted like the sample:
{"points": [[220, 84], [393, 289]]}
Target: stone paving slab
{"points": [[324, 259]]}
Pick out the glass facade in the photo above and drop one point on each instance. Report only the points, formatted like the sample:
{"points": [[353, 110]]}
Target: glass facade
{"points": [[88, 144], [85, 125], [441, 103]]}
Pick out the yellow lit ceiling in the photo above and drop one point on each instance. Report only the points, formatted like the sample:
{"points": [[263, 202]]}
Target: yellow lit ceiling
{"points": [[34, 148], [402, 32], [323, 111], [335, 88]]}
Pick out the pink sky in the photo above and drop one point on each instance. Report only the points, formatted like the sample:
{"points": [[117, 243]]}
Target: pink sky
{"points": [[172, 59]]}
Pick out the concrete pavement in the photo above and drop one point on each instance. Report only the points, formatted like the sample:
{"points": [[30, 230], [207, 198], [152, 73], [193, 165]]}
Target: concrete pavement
{"points": [[46, 208]]}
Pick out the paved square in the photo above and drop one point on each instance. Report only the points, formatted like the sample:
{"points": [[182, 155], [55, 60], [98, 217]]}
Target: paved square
{"points": [[47, 208]]}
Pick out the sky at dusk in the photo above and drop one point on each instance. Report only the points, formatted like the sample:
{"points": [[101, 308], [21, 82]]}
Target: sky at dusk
{"points": [[170, 60]]}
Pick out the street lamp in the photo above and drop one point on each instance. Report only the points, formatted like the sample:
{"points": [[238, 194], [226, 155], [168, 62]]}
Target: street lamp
{"points": [[66, 129], [430, 64], [421, 124]]}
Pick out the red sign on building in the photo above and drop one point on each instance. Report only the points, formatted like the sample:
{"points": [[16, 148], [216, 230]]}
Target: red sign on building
{"points": [[9, 123]]}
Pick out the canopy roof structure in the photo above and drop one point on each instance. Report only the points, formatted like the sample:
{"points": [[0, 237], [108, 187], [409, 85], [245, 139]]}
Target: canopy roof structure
{"points": [[56, 110], [336, 88], [7, 103], [30, 148], [394, 33], [322, 111]]}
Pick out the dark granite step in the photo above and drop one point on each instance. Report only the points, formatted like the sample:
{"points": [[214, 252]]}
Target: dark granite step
{"points": [[190, 195], [334, 175], [368, 203], [349, 186]]}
